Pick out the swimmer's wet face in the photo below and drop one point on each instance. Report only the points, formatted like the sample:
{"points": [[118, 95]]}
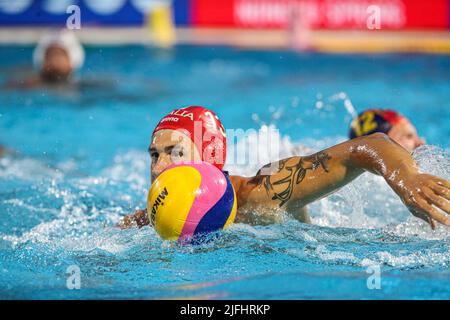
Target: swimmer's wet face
{"points": [[405, 134], [170, 147], [56, 66]]}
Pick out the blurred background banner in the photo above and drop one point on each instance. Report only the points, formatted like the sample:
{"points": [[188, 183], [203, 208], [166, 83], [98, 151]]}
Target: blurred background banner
{"points": [[301, 25], [94, 12], [324, 14], [271, 14]]}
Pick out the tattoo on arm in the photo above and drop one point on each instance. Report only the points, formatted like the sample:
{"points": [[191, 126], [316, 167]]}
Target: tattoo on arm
{"points": [[296, 174]]}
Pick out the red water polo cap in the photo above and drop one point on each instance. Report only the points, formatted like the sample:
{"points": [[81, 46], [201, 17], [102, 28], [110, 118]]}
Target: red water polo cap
{"points": [[204, 129]]}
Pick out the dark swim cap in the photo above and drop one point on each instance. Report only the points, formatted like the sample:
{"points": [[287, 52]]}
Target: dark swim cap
{"points": [[374, 120]]}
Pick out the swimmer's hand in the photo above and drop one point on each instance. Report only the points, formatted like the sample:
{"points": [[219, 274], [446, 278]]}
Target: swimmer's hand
{"points": [[138, 219], [424, 195]]}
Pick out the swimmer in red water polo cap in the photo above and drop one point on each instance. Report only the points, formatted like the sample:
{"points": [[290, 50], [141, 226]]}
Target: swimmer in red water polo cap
{"points": [[394, 124], [288, 185], [192, 133]]}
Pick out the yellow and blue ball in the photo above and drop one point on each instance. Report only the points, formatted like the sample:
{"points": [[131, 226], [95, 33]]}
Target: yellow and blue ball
{"points": [[190, 199]]}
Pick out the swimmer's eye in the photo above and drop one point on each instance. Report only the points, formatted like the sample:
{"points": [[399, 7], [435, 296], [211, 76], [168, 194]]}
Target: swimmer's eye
{"points": [[407, 136], [154, 156], [177, 152]]}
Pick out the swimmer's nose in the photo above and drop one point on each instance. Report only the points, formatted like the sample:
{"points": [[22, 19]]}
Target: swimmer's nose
{"points": [[163, 162], [420, 142]]}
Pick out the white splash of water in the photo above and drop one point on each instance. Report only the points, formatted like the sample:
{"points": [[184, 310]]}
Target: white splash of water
{"points": [[27, 169]]}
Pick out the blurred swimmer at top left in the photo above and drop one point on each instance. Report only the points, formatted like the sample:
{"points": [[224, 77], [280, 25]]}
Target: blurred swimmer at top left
{"points": [[56, 57]]}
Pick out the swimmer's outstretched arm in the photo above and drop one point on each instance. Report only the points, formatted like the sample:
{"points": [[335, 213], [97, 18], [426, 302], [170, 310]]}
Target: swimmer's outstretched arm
{"points": [[293, 183]]}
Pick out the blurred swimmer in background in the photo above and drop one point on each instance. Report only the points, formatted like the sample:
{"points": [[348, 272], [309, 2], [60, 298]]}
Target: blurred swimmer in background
{"points": [[56, 57], [395, 125]]}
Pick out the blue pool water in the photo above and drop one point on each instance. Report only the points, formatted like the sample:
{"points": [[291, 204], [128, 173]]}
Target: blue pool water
{"points": [[80, 164]]}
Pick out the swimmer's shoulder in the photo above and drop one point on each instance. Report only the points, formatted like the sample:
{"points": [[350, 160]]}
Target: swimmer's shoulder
{"points": [[254, 207], [243, 186], [238, 182], [26, 83]]}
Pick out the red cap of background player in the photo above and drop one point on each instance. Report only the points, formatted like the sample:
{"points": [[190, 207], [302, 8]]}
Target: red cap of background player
{"points": [[391, 116], [204, 129]]}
